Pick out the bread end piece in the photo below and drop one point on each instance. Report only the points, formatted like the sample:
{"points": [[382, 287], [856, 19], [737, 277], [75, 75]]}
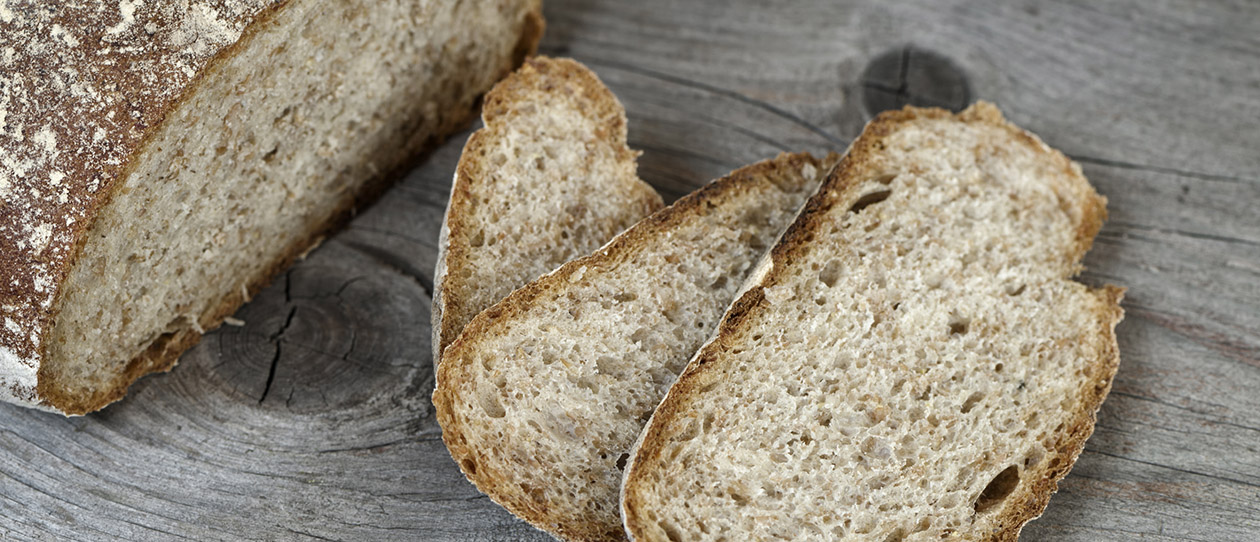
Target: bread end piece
{"points": [[548, 179]]}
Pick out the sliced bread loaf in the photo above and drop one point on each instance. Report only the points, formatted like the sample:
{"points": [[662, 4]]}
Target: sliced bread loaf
{"points": [[543, 394], [548, 179], [161, 161], [911, 362]]}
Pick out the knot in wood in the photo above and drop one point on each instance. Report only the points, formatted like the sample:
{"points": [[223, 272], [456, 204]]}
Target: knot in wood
{"points": [[909, 75]]}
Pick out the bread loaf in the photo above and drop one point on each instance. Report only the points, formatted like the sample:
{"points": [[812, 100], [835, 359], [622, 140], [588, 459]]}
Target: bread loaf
{"points": [[160, 161], [543, 394], [548, 179], [912, 362]]}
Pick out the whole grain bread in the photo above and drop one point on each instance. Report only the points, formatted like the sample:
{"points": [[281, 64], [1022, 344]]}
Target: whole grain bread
{"points": [[163, 160], [543, 394], [911, 362], [548, 179]]}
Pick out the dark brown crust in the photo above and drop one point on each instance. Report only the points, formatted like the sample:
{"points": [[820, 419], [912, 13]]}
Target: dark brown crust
{"points": [[165, 352], [452, 307], [862, 161], [622, 247]]}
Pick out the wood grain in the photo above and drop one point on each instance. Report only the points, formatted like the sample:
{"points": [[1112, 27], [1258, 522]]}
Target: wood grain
{"points": [[313, 421]]}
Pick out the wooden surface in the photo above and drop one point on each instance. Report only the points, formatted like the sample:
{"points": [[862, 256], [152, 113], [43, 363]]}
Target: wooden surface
{"points": [[313, 421]]}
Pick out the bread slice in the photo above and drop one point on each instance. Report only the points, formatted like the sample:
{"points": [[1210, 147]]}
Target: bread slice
{"points": [[911, 362], [548, 179], [161, 161], [543, 394]]}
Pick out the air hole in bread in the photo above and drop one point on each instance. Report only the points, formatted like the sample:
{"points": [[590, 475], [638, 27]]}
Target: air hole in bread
{"points": [[491, 405], [970, 257], [896, 536], [469, 466], [621, 461], [690, 432], [719, 283], [1035, 456], [830, 273], [535, 494], [1015, 290], [640, 335], [998, 489], [971, 401], [478, 239], [671, 532], [607, 365], [736, 495], [958, 326], [885, 179], [625, 297], [923, 524], [587, 383], [869, 199]]}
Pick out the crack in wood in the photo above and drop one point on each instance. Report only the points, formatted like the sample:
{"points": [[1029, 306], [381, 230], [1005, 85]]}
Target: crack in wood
{"points": [[1202, 416], [1233, 348], [683, 81], [1182, 233], [1161, 169], [1172, 468], [424, 242], [392, 262], [277, 338]]}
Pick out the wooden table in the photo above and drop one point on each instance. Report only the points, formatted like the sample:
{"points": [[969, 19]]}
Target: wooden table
{"points": [[313, 420]]}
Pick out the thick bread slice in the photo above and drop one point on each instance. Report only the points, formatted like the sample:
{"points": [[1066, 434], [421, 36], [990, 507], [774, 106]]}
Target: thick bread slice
{"points": [[548, 179], [161, 161], [543, 394], [912, 362]]}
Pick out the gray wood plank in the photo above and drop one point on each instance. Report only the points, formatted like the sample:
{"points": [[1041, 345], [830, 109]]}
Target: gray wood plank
{"points": [[313, 421]]}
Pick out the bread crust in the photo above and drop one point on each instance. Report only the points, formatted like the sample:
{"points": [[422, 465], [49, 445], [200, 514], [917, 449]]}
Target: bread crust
{"points": [[1036, 484], [92, 165], [450, 374], [451, 306]]}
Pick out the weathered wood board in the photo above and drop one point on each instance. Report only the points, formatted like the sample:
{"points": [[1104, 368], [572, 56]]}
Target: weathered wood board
{"points": [[313, 420]]}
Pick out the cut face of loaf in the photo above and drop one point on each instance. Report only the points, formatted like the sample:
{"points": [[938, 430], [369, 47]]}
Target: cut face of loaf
{"points": [[912, 363], [548, 179], [543, 394], [222, 146]]}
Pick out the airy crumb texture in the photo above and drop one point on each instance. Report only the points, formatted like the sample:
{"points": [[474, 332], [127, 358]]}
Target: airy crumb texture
{"points": [[548, 179], [912, 363], [542, 396], [308, 114]]}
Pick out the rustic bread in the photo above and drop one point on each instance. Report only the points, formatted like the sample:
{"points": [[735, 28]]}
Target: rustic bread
{"points": [[162, 160], [543, 394], [911, 362], [548, 179]]}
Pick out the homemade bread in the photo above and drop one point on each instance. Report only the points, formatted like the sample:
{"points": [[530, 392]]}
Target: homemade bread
{"points": [[543, 394], [548, 179], [160, 161], [911, 362]]}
